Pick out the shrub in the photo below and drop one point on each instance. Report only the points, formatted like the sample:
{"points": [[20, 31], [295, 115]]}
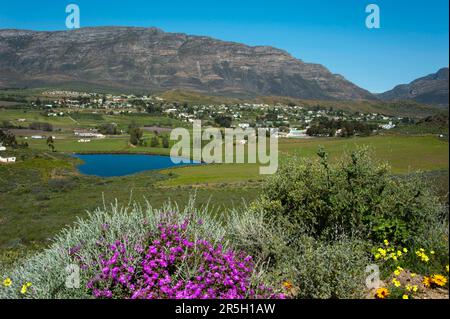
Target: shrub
{"points": [[171, 265], [356, 197], [310, 268], [121, 250]]}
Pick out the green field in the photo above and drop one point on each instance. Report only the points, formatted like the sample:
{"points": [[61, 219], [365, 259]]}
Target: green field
{"points": [[43, 191], [69, 121], [404, 154]]}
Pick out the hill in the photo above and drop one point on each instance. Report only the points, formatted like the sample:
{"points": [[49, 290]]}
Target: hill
{"points": [[153, 60]]}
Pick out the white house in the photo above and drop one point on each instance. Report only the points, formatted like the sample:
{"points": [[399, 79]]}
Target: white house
{"points": [[294, 133], [7, 159], [89, 134], [84, 141], [2, 148], [388, 126], [37, 137], [244, 125]]}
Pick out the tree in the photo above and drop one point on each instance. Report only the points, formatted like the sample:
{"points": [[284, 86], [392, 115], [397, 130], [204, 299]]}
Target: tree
{"points": [[154, 141], [109, 129], [51, 143], [136, 134], [8, 139], [165, 141], [223, 120]]}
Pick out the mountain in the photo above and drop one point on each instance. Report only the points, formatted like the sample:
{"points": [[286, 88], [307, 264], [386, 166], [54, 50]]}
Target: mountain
{"points": [[153, 60], [431, 89]]}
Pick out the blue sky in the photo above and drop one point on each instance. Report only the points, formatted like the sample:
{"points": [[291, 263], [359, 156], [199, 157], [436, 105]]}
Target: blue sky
{"points": [[412, 40]]}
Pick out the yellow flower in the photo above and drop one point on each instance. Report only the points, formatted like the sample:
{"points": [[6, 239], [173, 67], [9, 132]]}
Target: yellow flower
{"points": [[408, 287], [398, 271], [377, 256], [386, 242], [382, 252], [405, 250], [414, 288], [413, 274], [7, 282], [426, 281], [439, 280], [24, 289], [396, 282], [381, 293], [287, 285], [446, 268], [405, 297], [399, 253], [28, 284], [432, 252], [422, 255]]}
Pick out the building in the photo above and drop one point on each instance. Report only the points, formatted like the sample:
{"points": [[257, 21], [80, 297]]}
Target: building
{"points": [[7, 160], [89, 134], [388, 126], [294, 133], [244, 125]]}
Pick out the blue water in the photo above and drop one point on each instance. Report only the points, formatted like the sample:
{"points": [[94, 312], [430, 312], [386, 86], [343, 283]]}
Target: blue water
{"points": [[109, 165]]}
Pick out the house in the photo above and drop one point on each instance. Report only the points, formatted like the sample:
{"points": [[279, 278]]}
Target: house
{"points": [[2, 148], [294, 133], [244, 125], [37, 137], [89, 134], [388, 126], [7, 159], [84, 141]]}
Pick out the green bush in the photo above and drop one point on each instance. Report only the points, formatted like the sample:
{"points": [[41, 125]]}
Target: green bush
{"points": [[86, 243], [315, 268], [355, 197]]}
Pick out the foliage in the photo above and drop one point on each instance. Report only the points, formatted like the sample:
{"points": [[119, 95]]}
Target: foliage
{"points": [[8, 139], [151, 237], [136, 134], [312, 268], [171, 265], [41, 126], [154, 142], [223, 120], [356, 197]]}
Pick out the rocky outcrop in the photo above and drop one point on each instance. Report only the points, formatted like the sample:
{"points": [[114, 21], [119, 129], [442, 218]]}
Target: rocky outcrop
{"points": [[430, 89]]}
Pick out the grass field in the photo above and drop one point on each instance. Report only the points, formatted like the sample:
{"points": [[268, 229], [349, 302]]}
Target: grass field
{"points": [[404, 154], [85, 119], [43, 191]]}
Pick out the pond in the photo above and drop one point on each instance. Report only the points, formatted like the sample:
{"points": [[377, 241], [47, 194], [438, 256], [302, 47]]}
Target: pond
{"points": [[110, 165]]}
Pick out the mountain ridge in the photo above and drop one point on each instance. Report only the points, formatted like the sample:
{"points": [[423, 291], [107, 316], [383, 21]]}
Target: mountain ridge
{"points": [[151, 59], [430, 89]]}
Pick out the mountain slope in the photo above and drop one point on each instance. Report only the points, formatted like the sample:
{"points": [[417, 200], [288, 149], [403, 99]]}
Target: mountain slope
{"points": [[150, 59], [430, 89]]}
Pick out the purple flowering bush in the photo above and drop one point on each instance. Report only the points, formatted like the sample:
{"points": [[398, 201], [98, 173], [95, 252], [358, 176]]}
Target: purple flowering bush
{"points": [[170, 264]]}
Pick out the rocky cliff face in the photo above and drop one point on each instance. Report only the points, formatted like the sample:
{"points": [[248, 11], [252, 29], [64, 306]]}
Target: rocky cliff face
{"points": [[150, 59], [430, 89]]}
